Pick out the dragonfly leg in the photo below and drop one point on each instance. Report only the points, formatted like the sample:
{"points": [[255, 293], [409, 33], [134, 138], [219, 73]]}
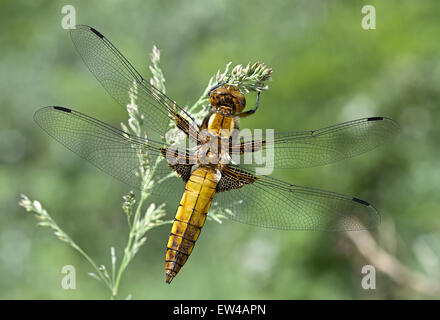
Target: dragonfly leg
{"points": [[252, 111]]}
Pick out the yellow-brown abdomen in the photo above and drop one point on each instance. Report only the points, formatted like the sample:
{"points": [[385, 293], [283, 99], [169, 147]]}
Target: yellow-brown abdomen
{"points": [[190, 217]]}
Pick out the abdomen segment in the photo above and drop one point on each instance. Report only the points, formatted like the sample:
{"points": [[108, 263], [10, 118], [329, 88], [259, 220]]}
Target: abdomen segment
{"points": [[190, 218]]}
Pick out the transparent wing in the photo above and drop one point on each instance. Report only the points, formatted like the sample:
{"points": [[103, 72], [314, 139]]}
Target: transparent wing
{"points": [[264, 201], [316, 147], [118, 76], [110, 149], [271, 203]]}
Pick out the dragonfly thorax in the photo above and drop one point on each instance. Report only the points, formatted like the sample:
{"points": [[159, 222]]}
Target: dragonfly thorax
{"points": [[217, 130], [213, 152]]}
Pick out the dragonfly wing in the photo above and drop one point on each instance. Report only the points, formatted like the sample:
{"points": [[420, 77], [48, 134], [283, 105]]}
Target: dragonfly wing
{"points": [[118, 77], [267, 202], [317, 147], [110, 149]]}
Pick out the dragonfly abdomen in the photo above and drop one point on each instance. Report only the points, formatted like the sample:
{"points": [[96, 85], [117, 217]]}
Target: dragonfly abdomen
{"points": [[190, 218]]}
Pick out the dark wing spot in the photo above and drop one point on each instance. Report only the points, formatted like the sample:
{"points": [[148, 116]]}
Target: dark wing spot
{"points": [[365, 203], [99, 34], [375, 118], [63, 109]]}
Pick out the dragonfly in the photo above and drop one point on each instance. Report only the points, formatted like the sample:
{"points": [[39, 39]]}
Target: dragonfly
{"points": [[207, 176]]}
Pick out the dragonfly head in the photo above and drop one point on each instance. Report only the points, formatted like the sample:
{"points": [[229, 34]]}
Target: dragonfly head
{"points": [[229, 96]]}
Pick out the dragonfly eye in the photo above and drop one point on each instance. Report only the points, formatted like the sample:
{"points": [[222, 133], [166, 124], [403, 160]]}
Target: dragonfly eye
{"points": [[218, 85], [227, 95], [239, 101]]}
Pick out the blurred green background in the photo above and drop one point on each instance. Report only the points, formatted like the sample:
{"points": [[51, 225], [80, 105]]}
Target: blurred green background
{"points": [[327, 70]]}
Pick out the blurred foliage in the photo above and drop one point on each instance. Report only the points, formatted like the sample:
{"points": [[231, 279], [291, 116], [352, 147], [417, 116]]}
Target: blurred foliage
{"points": [[327, 69]]}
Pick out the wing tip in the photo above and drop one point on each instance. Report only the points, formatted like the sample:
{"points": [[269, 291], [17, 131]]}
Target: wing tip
{"points": [[385, 119], [39, 114], [374, 218]]}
